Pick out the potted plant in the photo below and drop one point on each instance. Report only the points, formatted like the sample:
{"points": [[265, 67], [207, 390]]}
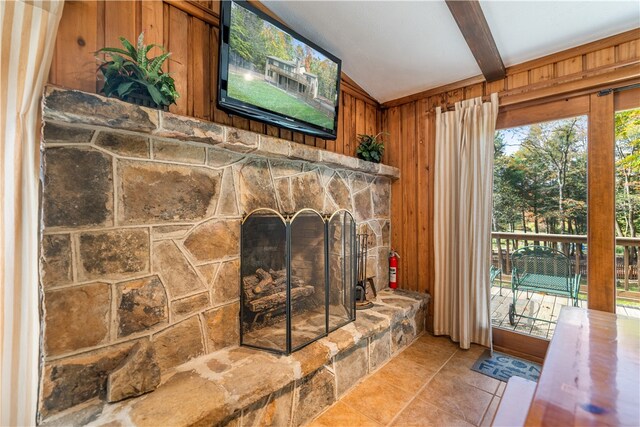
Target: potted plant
{"points": [[370, 148], [133, 77]]}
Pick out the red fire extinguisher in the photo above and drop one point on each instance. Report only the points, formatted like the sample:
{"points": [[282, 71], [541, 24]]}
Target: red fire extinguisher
{"points": [[393, 269]]}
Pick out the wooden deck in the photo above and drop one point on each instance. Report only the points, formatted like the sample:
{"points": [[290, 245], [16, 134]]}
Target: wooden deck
{"points": [[545, 308]]}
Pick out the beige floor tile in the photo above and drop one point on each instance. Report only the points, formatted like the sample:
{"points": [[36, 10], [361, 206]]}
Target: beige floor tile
{"points": [[491, 412], [438, 344], [459, 367], [422, 413], [472, 353], [378, 399], [405, 374], [457, 398], [441, 342], [341, 415], [501, 388], [425, 355]]}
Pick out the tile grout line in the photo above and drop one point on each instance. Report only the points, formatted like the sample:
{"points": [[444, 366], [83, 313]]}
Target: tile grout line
{"points": [[393, 356], [415, 396], [361, 413]]}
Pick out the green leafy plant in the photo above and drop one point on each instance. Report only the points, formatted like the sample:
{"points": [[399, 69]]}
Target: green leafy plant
{"points": [[370, 148], [128, 72]]}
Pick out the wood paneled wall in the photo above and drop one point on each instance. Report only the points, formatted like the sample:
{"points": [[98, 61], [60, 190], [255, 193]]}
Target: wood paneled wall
{"points": [[410, 122], [189, 30]]}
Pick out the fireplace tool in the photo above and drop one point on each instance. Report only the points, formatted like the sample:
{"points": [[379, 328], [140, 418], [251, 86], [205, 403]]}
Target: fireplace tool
{"points": [[361, 285]]}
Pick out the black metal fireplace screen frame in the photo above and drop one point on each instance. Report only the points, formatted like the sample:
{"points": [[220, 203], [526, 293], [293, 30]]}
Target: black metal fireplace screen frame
{"points": [[349, 237]]}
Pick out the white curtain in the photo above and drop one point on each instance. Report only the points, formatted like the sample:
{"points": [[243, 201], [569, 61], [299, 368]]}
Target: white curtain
{"points": [[28, 31], [462, 221]]}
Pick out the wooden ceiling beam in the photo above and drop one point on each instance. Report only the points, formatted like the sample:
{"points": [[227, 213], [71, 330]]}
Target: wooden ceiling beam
{"points": [[475, 30]]}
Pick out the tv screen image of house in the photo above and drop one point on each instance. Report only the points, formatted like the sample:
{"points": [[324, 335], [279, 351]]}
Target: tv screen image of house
{"points": [[276, 70]]}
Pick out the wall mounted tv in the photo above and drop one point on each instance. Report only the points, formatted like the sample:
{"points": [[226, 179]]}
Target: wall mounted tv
{"points": [[269, 73]]}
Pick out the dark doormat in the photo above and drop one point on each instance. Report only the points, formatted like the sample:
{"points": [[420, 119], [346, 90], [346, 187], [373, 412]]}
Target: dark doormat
{"points": [[502, 367]]}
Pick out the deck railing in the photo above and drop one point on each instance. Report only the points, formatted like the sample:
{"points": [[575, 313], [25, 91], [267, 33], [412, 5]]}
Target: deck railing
{"points": [[572, 245]]}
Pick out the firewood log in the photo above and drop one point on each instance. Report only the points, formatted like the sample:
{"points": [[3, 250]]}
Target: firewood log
{"points": [[278, 299]]}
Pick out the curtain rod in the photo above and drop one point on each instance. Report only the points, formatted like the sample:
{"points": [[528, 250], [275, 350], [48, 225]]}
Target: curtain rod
{"points": [[605, 92], [452, 107]]}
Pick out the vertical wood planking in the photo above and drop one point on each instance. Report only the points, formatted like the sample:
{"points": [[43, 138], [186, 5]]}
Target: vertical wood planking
{"points": [[569, 66], [255, 126], [360, 124], [626, 51], [454, 96], [272, 130], [601, 238], [518, 80], [74, 65], [384, 127], [409, 194], [370, 119], [423, 188], [348, 124], [240, 122], [152, 25], [431, 159], [339, 145], [309, 140], [394, 159], [600, 57], [497, 86], [298, 137], [286, 134], [540, 74], [121, 20], [473, 91], [200, 64], [177, 43]]}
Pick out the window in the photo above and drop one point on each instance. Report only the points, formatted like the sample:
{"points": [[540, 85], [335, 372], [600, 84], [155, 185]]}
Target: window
{"points": [[540, 199], [627, 219]]}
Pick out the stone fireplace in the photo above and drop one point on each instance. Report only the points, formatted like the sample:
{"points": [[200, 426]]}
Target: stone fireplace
{"points": [[142, 215], [297, 277]]}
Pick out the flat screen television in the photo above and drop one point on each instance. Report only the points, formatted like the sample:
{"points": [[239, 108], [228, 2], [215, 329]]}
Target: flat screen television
{"points": [[268, 72]]}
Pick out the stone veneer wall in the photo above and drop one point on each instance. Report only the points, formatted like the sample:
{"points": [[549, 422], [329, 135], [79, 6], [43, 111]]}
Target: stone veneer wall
{"points": [[141, 215]]}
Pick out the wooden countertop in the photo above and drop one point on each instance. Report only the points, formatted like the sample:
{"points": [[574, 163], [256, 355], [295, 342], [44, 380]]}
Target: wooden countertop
{"points": [[591, 374]]}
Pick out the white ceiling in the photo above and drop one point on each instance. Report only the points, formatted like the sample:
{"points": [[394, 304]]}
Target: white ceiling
{"points": [[397, 48]]}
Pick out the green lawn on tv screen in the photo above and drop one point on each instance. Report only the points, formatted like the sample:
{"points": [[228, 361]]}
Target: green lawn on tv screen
{"points": [[265, 95]]}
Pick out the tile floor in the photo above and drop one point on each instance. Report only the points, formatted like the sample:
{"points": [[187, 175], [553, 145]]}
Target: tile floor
{"points": [[430, 383]]}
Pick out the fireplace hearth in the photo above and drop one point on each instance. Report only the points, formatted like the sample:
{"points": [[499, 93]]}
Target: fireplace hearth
{"points": [[298, 275]]}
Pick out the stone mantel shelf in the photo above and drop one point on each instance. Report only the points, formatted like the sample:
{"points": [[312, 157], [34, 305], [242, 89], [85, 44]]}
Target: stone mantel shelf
{"points": [[77, 107]]}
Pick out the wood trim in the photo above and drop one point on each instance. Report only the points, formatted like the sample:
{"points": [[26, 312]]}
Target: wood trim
{"points": [[614, 40], [520, 345], [560, 109], [552, 98], [346, 80], [601, 238], [434, 91], [577, 84], [626, 100], [601, 80], [196, 10], [476, 32], [580, 75], [358, 95]]}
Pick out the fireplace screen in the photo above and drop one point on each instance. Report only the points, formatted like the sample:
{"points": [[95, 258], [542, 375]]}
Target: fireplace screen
{"points": [[298, 277]]}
